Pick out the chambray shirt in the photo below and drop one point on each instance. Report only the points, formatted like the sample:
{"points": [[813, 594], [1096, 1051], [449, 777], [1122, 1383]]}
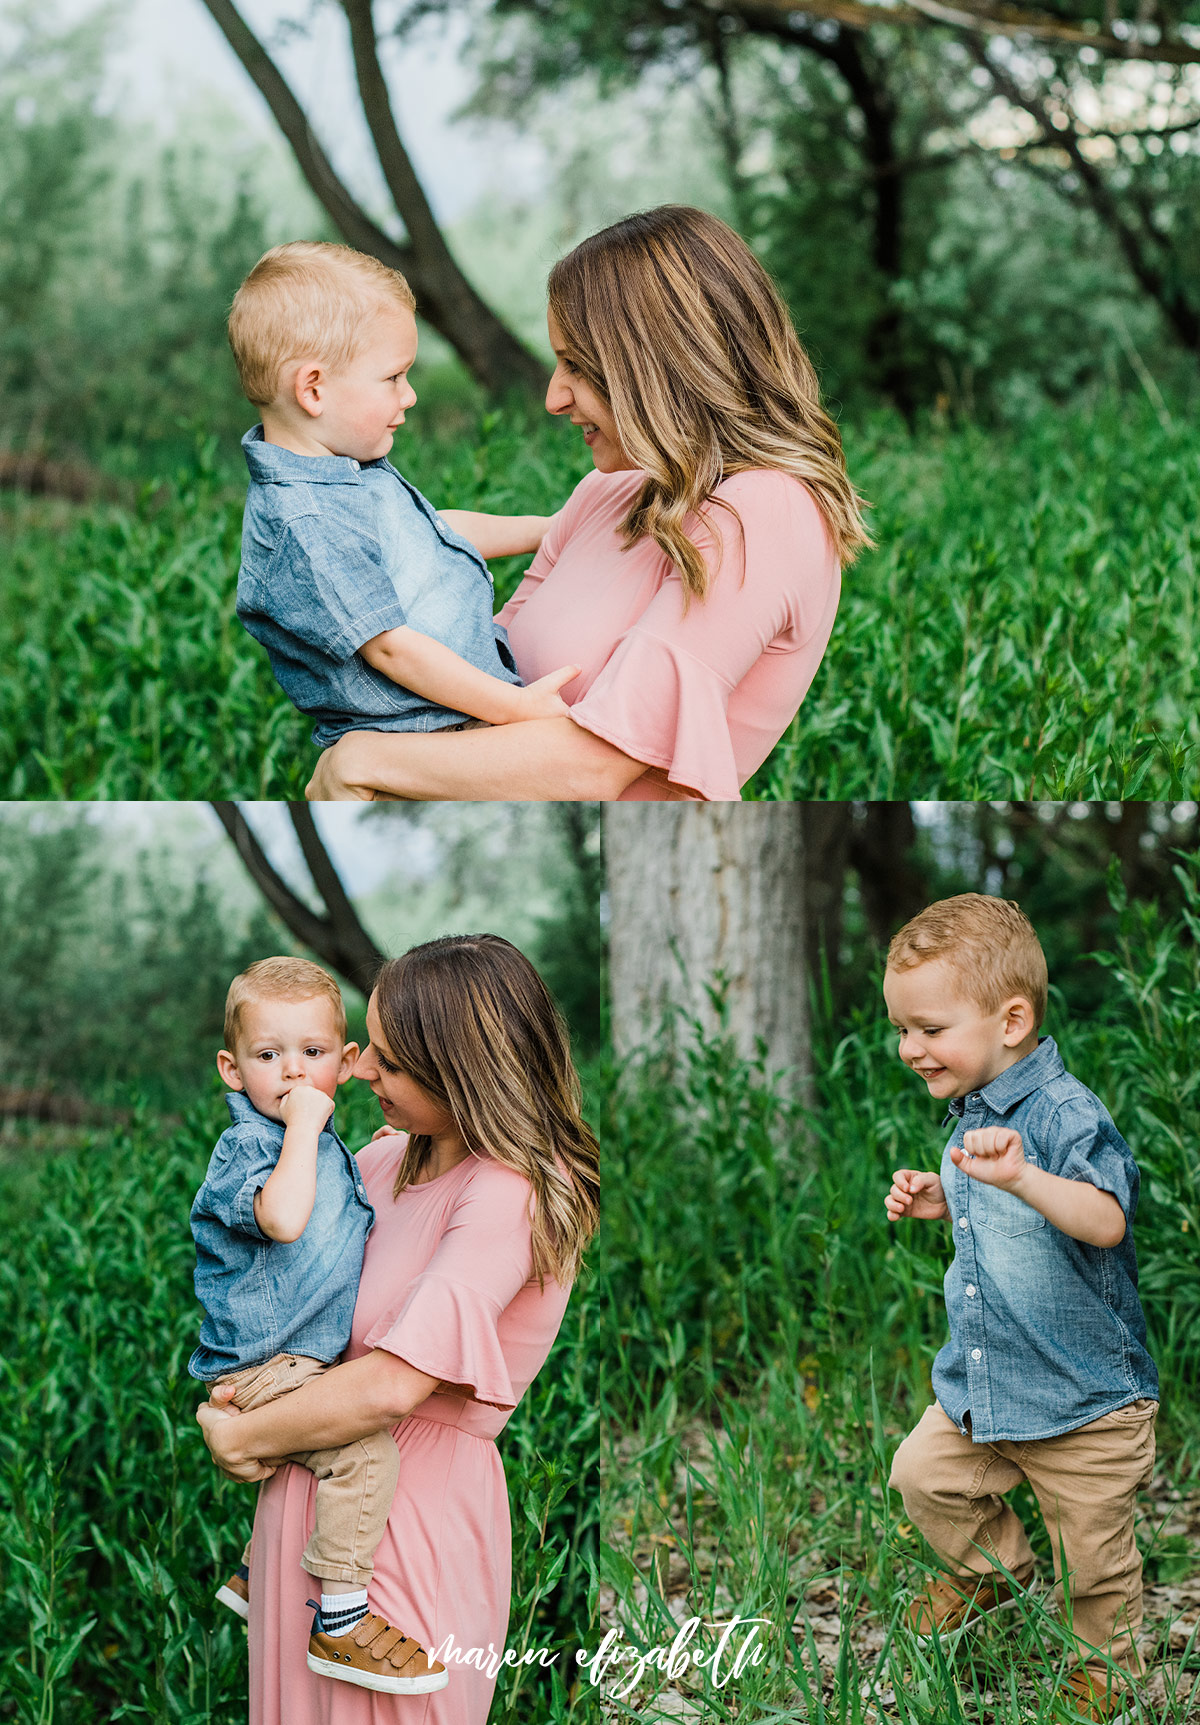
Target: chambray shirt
{"points": [[333, 553], [262, 1296], [1046, 1333]]}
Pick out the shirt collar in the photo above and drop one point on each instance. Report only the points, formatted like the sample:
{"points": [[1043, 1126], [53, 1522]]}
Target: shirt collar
{"points": [[1018, 1081], [241, 1110], [271, 464]]}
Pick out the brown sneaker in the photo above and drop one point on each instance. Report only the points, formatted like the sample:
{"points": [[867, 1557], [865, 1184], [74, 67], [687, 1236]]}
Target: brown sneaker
{"points": [[375, 1656], [947, 1605], [235, 1593], [1082, 1696]]}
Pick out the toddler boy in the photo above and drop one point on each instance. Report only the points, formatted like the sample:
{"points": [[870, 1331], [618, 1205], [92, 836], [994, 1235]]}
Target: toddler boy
{"points": [[280, 1224], [1046, 1376], [375, 611]]}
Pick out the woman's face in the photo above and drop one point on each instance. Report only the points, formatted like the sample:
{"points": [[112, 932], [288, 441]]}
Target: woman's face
{"points": [[405, 1105], [571, 393]]}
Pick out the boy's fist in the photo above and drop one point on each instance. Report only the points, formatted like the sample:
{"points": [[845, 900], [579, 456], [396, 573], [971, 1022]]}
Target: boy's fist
{"points": [[993, 1154], [915, 1194], [305, 1103]]}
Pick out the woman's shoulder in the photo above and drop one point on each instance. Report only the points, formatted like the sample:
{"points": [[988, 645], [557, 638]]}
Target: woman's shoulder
{"points": [[770, 502], [605, 493], [768, 487], [495, 1183], [381, 1156]]}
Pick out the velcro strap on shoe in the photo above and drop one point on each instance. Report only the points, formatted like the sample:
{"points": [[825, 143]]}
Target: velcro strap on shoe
{"points": [[384, 1641]]}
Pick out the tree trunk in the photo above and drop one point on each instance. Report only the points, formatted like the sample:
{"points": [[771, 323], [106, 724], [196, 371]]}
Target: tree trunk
{"points": [[486, 346], [708, 899], [338, 938]]}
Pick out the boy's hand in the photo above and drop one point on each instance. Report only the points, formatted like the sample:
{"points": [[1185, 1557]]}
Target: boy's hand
{"points": [[541, 700], [385, 1131], [917, 1195], [304, 1104], [992, 1154]]}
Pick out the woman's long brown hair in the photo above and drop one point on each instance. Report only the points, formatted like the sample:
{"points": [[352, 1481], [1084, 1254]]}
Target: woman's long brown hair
{"points": [[671, 318], [469, 1019]]}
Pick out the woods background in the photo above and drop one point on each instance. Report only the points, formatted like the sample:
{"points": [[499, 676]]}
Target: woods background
{"points": [[713, 1430], [984, 220]]}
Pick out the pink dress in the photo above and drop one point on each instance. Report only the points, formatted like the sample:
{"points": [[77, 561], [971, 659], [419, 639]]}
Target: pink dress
{"points": [[445, 1286], [702, 694]]}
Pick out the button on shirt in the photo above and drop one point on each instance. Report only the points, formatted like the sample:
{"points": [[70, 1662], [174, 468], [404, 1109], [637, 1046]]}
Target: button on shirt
{"points": [[1046, 1333], [334, 552], [262, 1296]]}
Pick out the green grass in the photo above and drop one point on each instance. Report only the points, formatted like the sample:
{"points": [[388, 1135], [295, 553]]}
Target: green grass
{"points": [[117, 1527], [768, 1337], [1027, 626]]}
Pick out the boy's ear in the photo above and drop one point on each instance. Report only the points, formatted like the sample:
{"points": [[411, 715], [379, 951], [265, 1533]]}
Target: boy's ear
{"points": [[349, 1062], [307, 388], [227, 1067], [1019, 1020]]}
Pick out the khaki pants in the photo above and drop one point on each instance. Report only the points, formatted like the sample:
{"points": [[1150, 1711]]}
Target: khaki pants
{"points": [[1085, 1482], [355, 1484]]}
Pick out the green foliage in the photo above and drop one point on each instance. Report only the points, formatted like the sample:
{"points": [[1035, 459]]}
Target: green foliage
{"points": [[1026, 628], [118, 1529], [768, 1337], [110, 975], [119, 261]]}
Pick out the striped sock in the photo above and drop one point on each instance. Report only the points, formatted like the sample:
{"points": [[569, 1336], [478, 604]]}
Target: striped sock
{"points": [[340, 1612]]}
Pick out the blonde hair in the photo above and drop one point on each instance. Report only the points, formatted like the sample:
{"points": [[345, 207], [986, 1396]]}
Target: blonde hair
{"points": [[287, 979], [989, 943], [469, 1019], [307, 298], [671, 318]]}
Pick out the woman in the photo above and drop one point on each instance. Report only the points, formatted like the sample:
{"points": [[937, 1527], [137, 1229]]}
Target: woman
{"points": [[694, 576], [482, 1214]]}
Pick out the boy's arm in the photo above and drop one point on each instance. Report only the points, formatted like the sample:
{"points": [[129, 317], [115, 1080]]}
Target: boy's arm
{"points": [[498, 535], [429, 668], [284, 1203], [995, 1155]]}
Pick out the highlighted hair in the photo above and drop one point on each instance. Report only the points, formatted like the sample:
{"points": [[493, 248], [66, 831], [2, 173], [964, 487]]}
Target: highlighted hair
{"points": [[469, 1019], [289, 979], [671, 318], [308, 299], [989, 943]]}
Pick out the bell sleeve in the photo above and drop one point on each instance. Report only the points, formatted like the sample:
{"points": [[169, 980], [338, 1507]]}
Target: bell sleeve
{"points": [[663, 695], [445, 1320]]}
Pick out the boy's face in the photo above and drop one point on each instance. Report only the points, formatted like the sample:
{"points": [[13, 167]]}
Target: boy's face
{"points": [[355, 411], [283, 1043], [949, 1040]]}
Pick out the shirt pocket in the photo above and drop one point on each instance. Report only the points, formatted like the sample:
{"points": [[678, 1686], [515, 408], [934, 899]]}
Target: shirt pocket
{"points": [[1004, 1213]]}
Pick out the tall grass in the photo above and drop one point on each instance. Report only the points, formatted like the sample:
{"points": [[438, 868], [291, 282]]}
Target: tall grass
{"points": [[1026, 628], [117, 1527], [768, 1338]]}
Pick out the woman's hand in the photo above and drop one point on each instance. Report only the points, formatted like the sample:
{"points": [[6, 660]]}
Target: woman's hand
{"points": [[216, 1417], [386, 1131], [917, 1195]]}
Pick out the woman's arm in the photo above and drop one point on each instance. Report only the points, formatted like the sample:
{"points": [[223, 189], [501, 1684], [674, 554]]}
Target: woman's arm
{"points": [[350, 1401], [543, 760]]}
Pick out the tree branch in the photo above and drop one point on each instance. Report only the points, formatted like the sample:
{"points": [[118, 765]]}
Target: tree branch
{"points": [[1003, 21], [338, 938], [487, 347], [448, 300], [347, 216]]}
